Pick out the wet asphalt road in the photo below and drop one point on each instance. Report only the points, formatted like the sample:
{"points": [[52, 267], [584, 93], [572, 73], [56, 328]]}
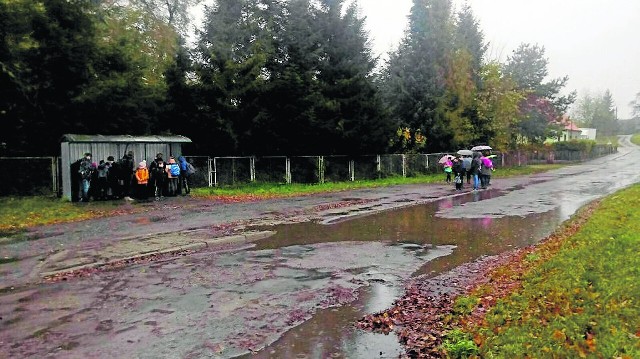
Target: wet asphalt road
{"points": [[243, 299]]}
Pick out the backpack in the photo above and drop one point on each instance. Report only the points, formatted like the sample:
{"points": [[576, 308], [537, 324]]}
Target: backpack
{"points": [[174, 169], [103, 170], [190, 169]]}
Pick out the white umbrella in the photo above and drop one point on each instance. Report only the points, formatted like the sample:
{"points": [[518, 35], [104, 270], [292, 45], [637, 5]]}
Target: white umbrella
{"points": [[481, 148], [465, 153]]}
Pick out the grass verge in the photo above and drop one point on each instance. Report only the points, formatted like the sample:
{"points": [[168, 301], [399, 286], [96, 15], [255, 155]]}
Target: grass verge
{"points": [[272, 190], [578, 294], [635, 139], [19, 213]]}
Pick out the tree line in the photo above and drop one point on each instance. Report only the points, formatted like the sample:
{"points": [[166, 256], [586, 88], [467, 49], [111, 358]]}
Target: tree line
{"points": [[265, 77]]}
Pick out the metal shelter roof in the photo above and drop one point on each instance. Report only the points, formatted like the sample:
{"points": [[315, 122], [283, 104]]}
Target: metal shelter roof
{"points": [[124, 139]]}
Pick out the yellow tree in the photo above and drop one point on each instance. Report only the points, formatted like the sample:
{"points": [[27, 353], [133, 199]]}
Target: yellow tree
{"points": [[498, 101], [460, 98]]}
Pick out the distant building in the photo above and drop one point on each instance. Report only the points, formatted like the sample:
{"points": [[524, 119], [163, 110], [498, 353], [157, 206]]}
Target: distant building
{"points": [[588, 133], [570, 131]]}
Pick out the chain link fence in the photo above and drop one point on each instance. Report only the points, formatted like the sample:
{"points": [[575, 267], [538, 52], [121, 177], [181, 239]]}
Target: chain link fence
{"points": [[42, 175], [30, 176]]}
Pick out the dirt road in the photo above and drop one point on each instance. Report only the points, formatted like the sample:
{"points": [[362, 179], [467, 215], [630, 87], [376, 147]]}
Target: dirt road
{"points": [[235, 277]]}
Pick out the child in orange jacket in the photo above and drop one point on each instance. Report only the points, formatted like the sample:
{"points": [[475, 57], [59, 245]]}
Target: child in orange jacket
{"points": [[142, 178]]}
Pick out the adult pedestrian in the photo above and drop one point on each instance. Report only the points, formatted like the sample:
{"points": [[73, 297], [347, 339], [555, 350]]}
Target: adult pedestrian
{"points": [[185, 172], [476, 165], [126, 169], [466, 163], [157, 176], [85, 173], [485, 172], [112, 178], [103, 181]]}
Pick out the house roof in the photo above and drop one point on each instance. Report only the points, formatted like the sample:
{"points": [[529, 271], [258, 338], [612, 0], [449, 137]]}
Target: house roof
{"points": [[568, 124], [124, 139], [571, 127]]}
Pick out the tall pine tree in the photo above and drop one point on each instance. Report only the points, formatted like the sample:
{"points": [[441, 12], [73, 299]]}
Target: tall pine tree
{"points": [[415, 76]]}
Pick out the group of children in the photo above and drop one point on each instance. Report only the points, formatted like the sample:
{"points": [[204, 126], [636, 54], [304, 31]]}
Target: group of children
{"points": [[478, 167], [111, 180]]}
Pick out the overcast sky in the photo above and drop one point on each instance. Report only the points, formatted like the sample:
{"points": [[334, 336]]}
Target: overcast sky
{"points": [[595, 43]]}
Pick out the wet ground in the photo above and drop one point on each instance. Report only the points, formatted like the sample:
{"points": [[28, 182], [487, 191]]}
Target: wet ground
{"points": [[296, 294]]}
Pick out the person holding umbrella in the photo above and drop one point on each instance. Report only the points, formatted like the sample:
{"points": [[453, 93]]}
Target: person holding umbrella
{"points": [[448, 168], [465, 161], [485, 172]]}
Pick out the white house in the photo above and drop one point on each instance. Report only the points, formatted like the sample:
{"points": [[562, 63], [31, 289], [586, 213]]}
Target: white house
{"points": [[588, 133], [570, 131]]}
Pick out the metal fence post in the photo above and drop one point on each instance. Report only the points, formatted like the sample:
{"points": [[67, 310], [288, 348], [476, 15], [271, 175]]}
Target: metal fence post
{"points": [[426, 168], [352, 170], [213, 180], [233, 170], [404, 165], [321, 169], [252, 168], [54, 175], [287, 169]]}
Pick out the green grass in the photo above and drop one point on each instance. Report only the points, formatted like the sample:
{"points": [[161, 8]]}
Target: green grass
{"points": [[457, 344], [294, 189], [17, 213], [635, 139], [582, 302], [261, 189], [525, 170]]}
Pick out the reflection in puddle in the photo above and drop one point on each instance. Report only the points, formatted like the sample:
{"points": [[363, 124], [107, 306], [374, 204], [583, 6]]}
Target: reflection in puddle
{"points": [[331, 333]]}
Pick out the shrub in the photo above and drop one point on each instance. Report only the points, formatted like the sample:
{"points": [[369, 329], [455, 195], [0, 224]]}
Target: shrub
{"points": [[574, 145]]}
